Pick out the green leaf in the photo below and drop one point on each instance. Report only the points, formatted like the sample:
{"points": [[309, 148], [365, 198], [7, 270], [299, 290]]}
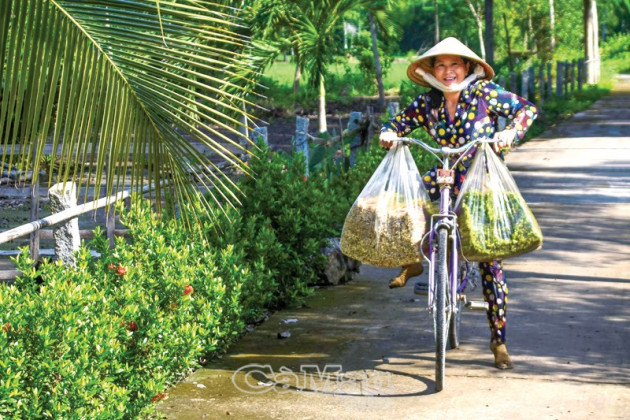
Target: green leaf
{"points": [[123, 89]]}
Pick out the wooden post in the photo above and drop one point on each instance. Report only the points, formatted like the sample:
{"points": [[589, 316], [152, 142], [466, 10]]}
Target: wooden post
{"points": [[524, 83], [532, 83], [572, 76], [541, 86], [355, 143], [63, 196], [559, 78], [301, 138], [513, 87], [502, 81], [549, 84], [580, 76], [567, 74]]}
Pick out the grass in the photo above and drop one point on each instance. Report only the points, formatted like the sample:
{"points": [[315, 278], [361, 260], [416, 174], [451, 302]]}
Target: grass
{"points": [[283, 72]]}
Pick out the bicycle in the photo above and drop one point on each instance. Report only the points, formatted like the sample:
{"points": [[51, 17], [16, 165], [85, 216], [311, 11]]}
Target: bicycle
{"points": [[447, 281]]}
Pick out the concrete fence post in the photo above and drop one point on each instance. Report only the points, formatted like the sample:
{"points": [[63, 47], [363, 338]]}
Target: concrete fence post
{"points": [[301, 138], [513, 85], [357, 141], [525, 84], [67, 240], [392, 109], [260, 133]]}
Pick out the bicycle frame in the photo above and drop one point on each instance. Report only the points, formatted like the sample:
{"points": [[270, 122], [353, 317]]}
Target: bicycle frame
{"points": [[446, 292]]}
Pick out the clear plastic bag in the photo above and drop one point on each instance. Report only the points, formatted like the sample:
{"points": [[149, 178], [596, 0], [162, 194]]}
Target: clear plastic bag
{"points": [[388, 219], [494, 220]]}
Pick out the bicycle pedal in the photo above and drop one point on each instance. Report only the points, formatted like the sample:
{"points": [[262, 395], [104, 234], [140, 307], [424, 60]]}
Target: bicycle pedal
{"points": [[476, 305], [421, 288]]}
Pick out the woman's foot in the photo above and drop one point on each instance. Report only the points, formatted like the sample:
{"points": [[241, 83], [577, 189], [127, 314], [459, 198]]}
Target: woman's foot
{"points": [[502, 359], [407, 272]]}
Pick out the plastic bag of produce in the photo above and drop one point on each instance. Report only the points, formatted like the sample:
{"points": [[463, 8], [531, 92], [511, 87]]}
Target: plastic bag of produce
{"points": [[388, 219], [494, 219]]}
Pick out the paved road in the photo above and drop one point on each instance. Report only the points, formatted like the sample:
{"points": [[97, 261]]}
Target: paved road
{"points": [[568, 316]]}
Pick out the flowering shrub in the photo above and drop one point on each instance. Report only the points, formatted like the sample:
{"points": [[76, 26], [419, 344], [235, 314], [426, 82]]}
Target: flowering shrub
{"points": [[107, 338]]}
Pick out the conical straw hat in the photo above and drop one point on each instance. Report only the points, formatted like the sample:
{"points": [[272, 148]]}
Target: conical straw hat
{"points": [[450, 46]]}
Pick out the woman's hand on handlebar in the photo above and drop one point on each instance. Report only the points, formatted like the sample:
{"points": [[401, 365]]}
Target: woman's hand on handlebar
{"points": [[387, 139], [504, 139]]}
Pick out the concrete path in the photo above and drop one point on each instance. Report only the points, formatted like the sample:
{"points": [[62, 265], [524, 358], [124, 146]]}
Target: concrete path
{"points": [[361, 351]]}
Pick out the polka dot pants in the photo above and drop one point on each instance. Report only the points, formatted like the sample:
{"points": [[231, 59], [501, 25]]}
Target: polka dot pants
{"points": [[495, 292]]}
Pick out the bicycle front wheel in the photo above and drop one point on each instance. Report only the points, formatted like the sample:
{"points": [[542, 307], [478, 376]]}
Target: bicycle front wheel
{"points": [[440, 314], [454, 325]]}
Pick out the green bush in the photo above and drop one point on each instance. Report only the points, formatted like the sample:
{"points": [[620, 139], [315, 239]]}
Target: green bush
{"points": [[616, 53], [106, 338], [296, 208]]}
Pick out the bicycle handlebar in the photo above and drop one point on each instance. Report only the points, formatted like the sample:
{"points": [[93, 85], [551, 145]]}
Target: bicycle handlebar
{"points": [[446, 151]]}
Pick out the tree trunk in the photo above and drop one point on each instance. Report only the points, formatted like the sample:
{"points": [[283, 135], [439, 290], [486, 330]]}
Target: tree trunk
{"points": [[377, 65], [437, 22], [591, 41], [296, 79], [479, 28], [489, 17], [552, 24], [322, 126]]}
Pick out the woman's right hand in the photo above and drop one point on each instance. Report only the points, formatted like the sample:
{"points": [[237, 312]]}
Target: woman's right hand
{"points": [[387, 139]]}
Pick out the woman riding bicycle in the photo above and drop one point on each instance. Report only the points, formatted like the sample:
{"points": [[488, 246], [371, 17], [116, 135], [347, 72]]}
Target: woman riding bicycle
{"points": [[462, 105]]}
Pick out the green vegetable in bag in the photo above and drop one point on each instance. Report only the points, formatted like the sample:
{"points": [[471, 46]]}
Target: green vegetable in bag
{"points": [[388, 219], [494, 219], [502, 234]]}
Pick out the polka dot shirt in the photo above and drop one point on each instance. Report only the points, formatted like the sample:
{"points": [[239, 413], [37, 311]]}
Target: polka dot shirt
{"points": [[479, 107]]}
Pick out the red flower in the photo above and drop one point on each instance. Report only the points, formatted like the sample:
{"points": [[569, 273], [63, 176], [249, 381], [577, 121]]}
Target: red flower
{"points": [[111, 266], [305, 178], [121, 270], [188, 289], [132, 326], [6, 327], [158, 397]]}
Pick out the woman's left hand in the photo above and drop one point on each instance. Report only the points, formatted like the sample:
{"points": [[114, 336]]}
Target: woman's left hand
{"points": [[505, 139]]}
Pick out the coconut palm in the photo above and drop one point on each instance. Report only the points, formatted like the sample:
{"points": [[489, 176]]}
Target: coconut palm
{"points": [[316, 40], [125, 88], [381, 20]]}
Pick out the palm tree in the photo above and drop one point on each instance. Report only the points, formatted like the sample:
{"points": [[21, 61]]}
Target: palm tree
{"points": [[381, 20], [316, 41], [115, 83]]}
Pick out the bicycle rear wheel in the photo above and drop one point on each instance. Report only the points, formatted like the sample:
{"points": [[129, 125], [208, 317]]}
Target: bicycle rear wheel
{"points": [[439, 311]]}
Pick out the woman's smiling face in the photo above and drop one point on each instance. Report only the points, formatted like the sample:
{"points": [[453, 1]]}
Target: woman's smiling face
{"points": [[450, 69]]}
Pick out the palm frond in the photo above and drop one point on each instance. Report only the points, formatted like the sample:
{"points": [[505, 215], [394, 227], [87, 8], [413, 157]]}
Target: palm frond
{"points": [[124, 91]]}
